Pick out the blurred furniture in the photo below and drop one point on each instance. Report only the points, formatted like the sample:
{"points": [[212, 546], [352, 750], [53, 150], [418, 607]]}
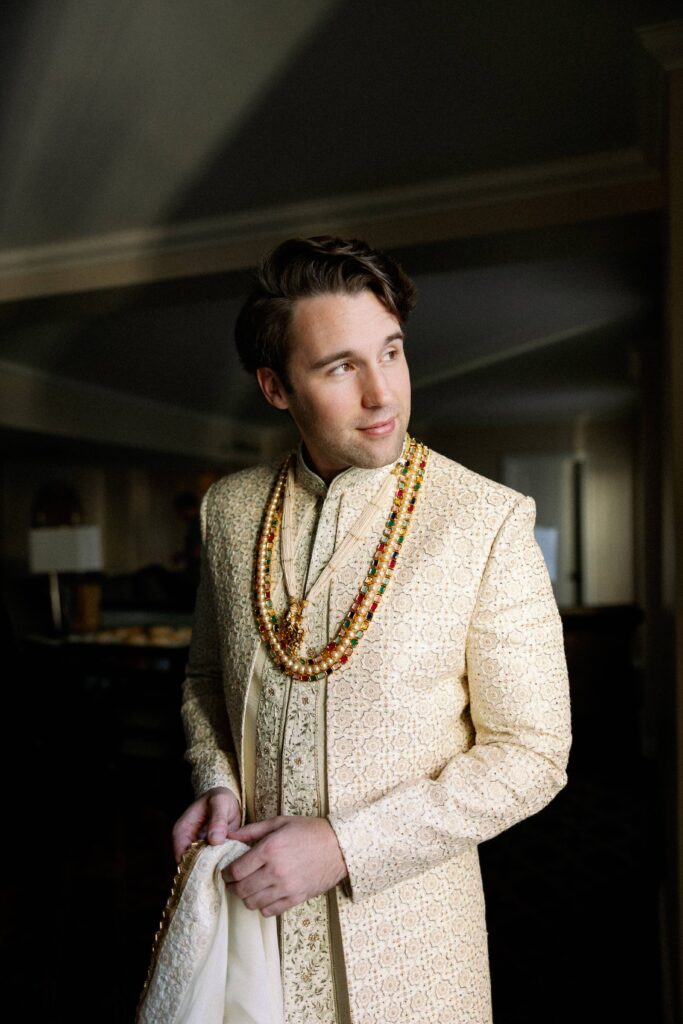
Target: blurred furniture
{"points": [[102, 744], [69, 549]]}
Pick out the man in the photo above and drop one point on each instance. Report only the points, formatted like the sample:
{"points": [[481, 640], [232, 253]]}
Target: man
{"points": [[377, 680]]}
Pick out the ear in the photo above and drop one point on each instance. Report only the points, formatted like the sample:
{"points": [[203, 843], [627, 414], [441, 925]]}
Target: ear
{"points": [[272, 387]]}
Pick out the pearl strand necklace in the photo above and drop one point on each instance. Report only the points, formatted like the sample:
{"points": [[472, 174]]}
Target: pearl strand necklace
{"points": [[284, 638]]}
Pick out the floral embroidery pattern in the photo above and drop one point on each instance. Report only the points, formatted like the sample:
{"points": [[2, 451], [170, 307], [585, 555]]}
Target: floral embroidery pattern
{"points": [[288, 781], [450, 725]]}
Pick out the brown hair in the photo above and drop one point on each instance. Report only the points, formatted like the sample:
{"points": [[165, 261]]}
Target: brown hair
{"points": [[304, 267]]}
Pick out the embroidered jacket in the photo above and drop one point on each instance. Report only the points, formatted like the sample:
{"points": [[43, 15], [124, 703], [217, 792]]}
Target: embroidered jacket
{"points": [[449, 724]]}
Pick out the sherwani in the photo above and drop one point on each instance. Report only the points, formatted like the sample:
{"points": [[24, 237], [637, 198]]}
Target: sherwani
{"points": [[449, 723]]}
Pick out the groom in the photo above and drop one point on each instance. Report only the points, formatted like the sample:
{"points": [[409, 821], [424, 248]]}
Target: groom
{"points": [[417, 718]]}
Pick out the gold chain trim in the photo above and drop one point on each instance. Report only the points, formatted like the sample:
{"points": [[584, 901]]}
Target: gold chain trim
{"points": [[187, 862]]}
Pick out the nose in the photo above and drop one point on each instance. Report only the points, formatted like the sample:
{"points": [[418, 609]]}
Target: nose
{"points": [[375, 389]]}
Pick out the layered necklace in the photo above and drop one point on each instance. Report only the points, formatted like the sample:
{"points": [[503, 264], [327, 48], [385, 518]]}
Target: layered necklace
{"points": [[285, 636]]}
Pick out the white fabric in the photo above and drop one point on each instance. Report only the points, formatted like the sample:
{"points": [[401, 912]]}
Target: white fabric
{"points": [[218, 962]]}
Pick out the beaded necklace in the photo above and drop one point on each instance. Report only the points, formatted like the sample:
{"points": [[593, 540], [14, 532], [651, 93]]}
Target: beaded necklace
{"points": [[285, 637]]}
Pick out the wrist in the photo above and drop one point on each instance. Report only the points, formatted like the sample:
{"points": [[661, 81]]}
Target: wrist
{"points": [[343, 871]]}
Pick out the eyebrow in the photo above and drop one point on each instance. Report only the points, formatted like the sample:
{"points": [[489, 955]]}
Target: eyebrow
{"points": [[348, 353]]}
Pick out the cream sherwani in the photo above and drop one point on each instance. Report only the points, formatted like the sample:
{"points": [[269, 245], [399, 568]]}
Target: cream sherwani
{"points": [[449, 724]]}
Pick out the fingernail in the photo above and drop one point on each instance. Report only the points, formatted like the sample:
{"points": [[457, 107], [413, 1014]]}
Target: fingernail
{"points": [[215, 834]]}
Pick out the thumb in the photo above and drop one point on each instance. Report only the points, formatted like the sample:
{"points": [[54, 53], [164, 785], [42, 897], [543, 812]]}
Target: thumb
{"points": [[217, 824]]}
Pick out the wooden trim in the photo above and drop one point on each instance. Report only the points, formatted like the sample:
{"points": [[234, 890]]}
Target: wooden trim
{"points": [[665, 43], [33, 400], [675, 324], [585, 188]]}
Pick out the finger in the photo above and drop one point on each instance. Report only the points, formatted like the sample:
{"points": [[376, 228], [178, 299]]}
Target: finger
{"points": [[254, 883], [234, 818], [245, 865], [278, 906], [266, 897], [187, 827], [179, 848], [256, 830]]}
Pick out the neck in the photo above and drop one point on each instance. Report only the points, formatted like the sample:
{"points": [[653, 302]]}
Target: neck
{"points": [[325, 474]]}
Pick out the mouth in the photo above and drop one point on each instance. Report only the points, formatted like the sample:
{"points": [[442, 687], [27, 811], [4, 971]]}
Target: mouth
{"points": [[379, 429]]}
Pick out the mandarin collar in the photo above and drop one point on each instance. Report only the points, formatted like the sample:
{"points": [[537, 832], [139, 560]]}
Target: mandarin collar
{"points": [[355, 478]]}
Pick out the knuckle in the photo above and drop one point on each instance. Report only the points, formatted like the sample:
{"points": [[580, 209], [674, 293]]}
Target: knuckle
{"points": [[273, 843], [278, 871]]}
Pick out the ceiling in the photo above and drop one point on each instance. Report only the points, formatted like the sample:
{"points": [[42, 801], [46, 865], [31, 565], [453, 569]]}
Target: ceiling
{"points": [[139, 116]]}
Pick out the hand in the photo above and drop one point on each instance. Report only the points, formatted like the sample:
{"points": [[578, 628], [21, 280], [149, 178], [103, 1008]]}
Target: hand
{"points": [[292, 859], [212, 815]]}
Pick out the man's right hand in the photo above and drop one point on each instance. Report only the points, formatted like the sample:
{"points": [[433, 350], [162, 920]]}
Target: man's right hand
{"points": [[212, 816]]}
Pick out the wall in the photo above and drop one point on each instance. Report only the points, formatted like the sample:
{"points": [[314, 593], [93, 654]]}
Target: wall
{"points": [[607, 451], [132, 505]]}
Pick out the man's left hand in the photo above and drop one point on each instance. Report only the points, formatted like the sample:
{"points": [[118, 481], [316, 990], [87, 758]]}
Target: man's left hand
{"points": [[292, 860]]}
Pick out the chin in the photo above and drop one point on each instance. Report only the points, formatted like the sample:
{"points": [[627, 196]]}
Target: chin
{"points": [[378, 451]]}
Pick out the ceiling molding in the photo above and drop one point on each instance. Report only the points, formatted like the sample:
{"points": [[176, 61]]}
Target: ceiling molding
{"points": [[665, 43], [34, 400], [503, 355], [583, 188]]}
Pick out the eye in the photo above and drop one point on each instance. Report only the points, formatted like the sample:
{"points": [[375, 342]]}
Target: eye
{"points": [[340, 370], [392, 354]]}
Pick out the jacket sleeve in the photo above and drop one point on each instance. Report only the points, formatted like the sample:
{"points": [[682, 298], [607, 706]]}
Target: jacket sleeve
{"points": [[519, 706], [210, 750]]}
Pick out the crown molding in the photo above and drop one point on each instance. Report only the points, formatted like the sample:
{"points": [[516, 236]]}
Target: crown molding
{"points": [[583, 188], [512, 352], [32, 399], [665, 43]]}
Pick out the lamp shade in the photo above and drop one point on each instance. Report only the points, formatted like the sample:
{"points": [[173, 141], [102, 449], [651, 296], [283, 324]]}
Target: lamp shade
{"points": [[65, 549]]}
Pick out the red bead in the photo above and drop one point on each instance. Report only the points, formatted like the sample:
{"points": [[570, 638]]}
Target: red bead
{"points": [[344, 659], [373, 606]]}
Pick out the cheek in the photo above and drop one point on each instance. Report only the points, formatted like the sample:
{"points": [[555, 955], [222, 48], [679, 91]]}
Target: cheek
{"points": [[337, 405], [326, 408], [404, 383]]}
